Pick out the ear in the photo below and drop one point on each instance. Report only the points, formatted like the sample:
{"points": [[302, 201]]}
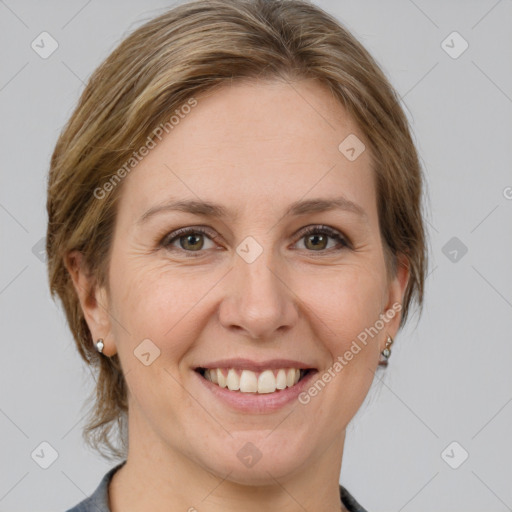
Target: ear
{"points": [[396, 292], [93, 301]]}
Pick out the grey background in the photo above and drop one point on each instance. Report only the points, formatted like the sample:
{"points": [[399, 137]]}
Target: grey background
{"points": [[450, 375]]}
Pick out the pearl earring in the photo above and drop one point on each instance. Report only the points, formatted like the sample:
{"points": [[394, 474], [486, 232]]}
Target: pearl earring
{"points": [[99, 345], [386, 352]]}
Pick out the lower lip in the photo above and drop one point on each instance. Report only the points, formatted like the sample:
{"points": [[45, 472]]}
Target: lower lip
{"points": [[257, 402]]}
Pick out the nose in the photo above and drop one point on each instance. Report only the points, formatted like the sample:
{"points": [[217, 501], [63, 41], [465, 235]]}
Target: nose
{"points": [[258, 301]]}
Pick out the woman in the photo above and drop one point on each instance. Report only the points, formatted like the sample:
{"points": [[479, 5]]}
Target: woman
{"points": [[235, 232]]}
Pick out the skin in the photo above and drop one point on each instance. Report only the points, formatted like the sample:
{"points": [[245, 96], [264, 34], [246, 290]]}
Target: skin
{"points": [[255, 148]]}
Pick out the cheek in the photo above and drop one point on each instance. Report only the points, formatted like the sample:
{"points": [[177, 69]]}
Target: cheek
{"points": [[159, 303], [345, 303], [167, 304]]}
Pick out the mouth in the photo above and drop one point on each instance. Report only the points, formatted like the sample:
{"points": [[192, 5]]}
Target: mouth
{"points": [[265, 381]]}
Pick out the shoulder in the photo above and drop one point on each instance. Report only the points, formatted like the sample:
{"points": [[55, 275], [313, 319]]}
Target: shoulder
{"points": [[349, 501], [98, 500]]}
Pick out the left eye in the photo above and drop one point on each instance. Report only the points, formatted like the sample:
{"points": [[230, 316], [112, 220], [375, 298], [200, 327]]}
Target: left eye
{"points": [[190, 239], [193, 239]]}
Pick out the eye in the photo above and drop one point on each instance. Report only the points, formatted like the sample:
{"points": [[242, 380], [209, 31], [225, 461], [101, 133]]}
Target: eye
{"points": [[316, 238], [189, 239], [192, 239]]}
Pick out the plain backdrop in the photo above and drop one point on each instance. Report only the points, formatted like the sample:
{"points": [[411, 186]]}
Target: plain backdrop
{"points": [[449, 379]]}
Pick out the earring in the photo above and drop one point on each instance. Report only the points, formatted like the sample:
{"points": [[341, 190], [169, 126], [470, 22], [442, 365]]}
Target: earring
{"points": [[99, 345], [386, 352]]}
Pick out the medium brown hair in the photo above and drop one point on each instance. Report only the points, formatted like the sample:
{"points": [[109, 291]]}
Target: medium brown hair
{"points": [[155, 70]]}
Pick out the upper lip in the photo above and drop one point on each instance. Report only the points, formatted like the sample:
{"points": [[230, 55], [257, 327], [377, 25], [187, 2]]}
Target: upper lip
{"points": [[248, 364]]}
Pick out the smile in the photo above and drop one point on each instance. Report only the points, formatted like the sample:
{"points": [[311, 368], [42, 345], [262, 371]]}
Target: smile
{"points": [[248, 381]]}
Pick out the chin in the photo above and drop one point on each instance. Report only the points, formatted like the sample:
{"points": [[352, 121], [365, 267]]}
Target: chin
{"points": [[256, 463]]}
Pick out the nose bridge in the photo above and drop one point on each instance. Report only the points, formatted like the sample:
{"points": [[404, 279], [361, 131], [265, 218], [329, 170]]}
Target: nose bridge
{"points": [[259, 281]]}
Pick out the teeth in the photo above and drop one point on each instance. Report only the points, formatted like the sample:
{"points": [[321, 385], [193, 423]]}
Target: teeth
{"points": [[290, 377], [281, 379], [247, 381], [266, 382], [220, 378], [233, 380]]}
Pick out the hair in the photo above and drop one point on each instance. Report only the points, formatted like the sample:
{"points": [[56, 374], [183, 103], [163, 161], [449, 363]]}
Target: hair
{"points": [[192, 48]]}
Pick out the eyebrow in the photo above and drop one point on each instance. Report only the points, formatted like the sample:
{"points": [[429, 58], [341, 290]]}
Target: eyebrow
{"points": [[215, 210]]}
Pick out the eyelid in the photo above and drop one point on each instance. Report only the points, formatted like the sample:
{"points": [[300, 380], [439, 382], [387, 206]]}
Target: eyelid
{"points": [[306, 230], [343, 243], [169, 237], [333, 233]]}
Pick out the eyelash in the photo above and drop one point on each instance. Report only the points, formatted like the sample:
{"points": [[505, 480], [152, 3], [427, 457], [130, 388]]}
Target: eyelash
{"points": [[309, 230]]}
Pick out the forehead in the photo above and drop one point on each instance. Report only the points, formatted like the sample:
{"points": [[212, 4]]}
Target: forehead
{"points": [[255, 147]]}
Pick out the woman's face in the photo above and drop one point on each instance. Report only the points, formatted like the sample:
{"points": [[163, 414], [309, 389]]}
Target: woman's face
{"points": [[253, 292]]}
